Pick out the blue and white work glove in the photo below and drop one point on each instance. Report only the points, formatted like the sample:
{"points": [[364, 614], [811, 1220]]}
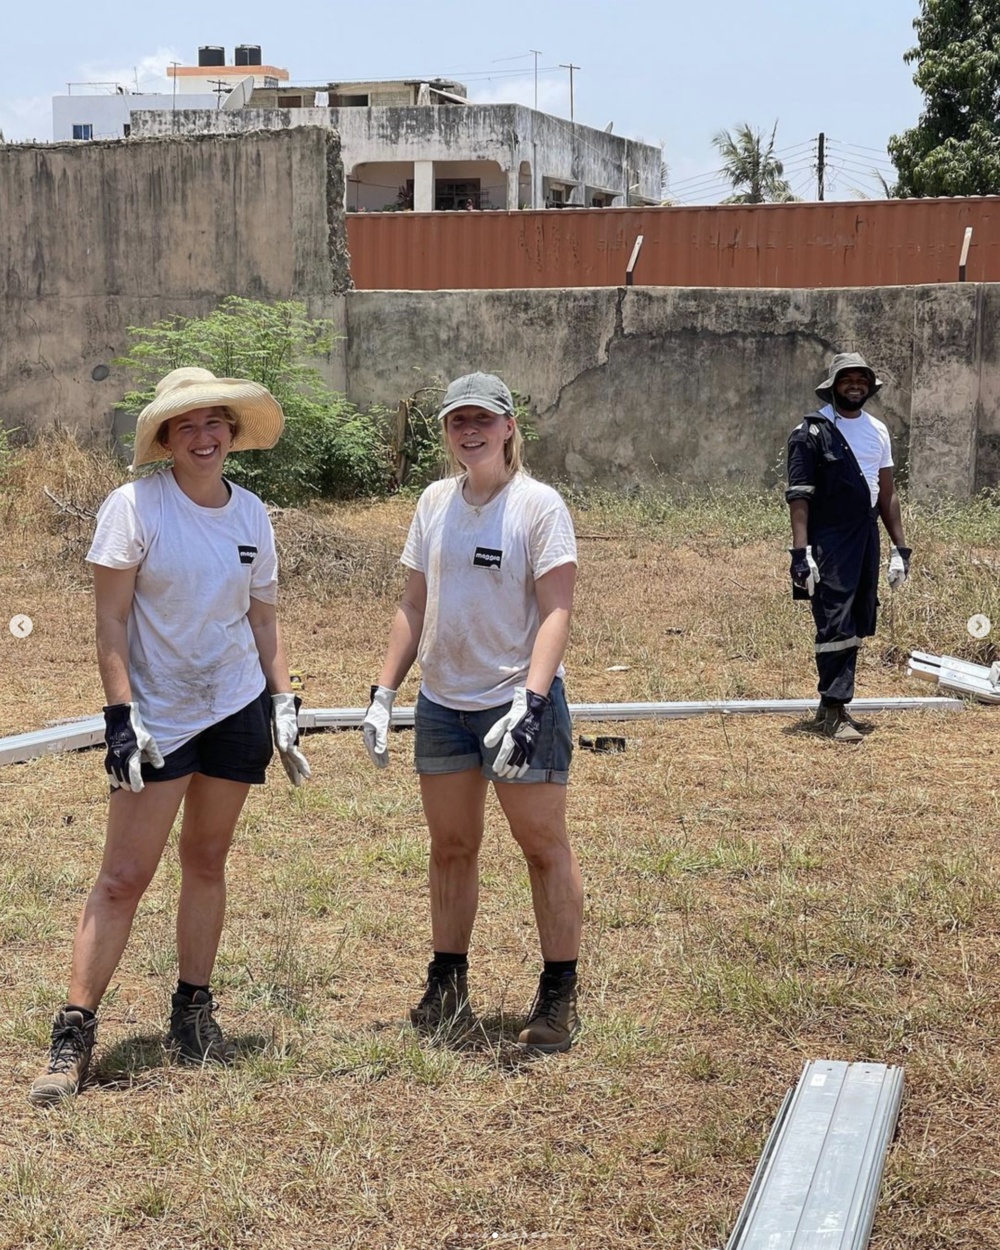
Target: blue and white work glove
{"points": [[804, 570], [375, 726], [519, 728], [899, 566], [129, 744], [285, 722]]}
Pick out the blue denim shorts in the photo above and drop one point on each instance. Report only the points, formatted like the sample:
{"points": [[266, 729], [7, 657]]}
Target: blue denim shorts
{"points": [[448, 741]]}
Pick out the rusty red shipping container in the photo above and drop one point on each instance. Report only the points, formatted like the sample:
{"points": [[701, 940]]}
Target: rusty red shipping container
{"points": [[864, 243]]}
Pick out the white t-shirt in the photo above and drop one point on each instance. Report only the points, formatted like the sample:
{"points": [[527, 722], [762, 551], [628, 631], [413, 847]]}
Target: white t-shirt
{"points": [[868, 438], [481, 566], [192, 658]]}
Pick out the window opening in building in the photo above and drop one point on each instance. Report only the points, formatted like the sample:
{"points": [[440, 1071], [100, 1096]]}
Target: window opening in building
{"points": [[85, 131], [450, 195]]}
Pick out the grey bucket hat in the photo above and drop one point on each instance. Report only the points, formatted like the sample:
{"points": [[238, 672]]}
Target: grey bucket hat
{"points": [[483, 390], [841, 363]]}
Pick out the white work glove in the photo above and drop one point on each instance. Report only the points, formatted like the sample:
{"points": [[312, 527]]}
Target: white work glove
{"points": [[285, 722], [899, 566], [994, 676], [129, 743], [519, 728], [804, 570], [375, 726]]}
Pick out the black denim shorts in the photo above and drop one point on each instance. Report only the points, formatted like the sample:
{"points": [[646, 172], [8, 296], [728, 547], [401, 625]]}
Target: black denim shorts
{"points": [[238, 748]]}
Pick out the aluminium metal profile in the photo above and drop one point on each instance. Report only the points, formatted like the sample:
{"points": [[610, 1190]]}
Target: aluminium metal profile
{"points": [[817, 1183], [76, 735], [954, 675], [402, 717]]}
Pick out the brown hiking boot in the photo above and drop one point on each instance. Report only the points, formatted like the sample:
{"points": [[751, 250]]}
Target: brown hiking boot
{"points": [[836, 724], [73, 1040], [444, 1007], [194, 1034], [553, 1021]]}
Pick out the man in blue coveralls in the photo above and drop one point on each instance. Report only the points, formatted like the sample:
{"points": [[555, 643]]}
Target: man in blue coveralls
{"points": [[839, 484]]}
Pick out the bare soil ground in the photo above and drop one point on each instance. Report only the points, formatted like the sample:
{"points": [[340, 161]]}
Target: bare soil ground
{"points": [[756, 896]]}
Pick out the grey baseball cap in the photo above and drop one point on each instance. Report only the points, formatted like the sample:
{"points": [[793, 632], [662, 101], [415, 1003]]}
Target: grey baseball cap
{"points": [[840, 364], [483, 390]]}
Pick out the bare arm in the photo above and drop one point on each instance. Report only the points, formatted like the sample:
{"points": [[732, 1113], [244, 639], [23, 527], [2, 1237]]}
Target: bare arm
{"points": [[263, 618], [113, 592], [799, 509], [888, 507], [554, 591], [404, 636]]}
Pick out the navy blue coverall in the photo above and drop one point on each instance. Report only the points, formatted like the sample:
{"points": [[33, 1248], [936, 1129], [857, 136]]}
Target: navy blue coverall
{"points": [[844, 536]]}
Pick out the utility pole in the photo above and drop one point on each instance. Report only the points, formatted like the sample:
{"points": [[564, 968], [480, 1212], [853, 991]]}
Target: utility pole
{"points": [[536, 54], [219, 88], [174, 105], [571, 68], [820, 165]]}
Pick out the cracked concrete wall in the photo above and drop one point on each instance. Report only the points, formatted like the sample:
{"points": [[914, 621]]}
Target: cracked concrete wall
{"points": [[641, 385], [95, 237], [702, 385]]}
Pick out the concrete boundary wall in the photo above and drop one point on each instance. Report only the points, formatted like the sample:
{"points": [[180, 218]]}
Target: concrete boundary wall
{"points": [[670, 384], [699, 385], [95, 237]]}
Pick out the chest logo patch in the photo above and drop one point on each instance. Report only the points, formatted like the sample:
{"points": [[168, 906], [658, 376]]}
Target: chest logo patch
{"points": [[247, 554], [487, 558]]}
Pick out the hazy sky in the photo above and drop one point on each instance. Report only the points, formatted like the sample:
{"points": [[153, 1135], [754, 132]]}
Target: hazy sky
{"points": [[661, 71]]}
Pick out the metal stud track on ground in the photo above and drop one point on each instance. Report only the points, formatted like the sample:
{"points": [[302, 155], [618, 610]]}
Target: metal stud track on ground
{"points": [[88, 733], [817, 1183]]}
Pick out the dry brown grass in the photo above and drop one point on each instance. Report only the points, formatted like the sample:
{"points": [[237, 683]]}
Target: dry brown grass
{"points": [[755, 896]]}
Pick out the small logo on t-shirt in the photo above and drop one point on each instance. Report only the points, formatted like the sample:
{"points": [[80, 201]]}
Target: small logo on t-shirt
{"points": [[487, 558], [247, 554]]}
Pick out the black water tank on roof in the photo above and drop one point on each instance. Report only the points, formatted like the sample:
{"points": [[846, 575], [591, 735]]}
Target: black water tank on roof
{"points": [[211, 56], [248, 54]]}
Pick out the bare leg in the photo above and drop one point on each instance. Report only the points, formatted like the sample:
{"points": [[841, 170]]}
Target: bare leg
{"points": [[454, 805], [138, 828], [537, 818], [211, 809]]}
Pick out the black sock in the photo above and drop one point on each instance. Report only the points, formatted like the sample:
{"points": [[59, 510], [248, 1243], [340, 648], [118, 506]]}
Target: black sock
{"points": [[560, 968], [189, 990], [87, 1014], [446, 959]]}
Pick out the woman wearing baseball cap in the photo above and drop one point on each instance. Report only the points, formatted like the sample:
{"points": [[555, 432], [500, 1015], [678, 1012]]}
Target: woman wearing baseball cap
{"points": [[194, 673], [492, 563]]}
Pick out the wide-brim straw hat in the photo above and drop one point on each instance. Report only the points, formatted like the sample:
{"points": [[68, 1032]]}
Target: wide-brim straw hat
{"points": [[257, 412], [841, 363]]}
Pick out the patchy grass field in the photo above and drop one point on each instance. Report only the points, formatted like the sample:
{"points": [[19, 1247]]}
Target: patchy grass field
{"points": [[755, 897]]}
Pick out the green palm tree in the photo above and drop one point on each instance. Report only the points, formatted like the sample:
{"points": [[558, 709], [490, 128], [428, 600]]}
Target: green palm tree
{"points": [[754, 172]]}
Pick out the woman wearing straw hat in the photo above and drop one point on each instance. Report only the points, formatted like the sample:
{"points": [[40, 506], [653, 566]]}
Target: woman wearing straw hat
{"points": [[491, 556], [194, 673]]}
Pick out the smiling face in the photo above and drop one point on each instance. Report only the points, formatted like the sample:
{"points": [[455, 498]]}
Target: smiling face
{"points": [[851, 389], [199, 440], [476, 437]]}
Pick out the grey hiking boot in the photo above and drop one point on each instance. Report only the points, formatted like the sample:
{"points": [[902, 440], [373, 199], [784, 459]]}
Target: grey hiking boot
{"points": [[839, 726], [194, 1033], [444, 1007], [553, 1021], [73, 1039]]}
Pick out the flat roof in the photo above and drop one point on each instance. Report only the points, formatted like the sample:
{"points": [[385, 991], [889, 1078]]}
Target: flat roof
{"points": [[245, 71]]}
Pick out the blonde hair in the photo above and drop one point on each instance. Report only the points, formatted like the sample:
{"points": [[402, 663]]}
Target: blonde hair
{"points": [[513, 452], [229, 417]]}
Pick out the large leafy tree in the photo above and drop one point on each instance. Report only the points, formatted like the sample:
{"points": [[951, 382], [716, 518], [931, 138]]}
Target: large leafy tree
{"points": [[955, 147], [754, 172]]}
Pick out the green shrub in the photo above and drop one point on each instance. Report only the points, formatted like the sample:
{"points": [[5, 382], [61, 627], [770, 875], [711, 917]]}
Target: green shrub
{"points": [[328, 448]]}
